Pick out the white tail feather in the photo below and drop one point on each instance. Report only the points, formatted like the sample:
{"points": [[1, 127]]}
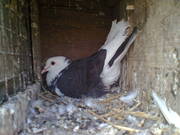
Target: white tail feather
{"points": [[115, 38]]}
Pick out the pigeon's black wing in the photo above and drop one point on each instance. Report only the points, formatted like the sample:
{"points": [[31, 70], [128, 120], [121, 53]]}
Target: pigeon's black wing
{"points": [[82, 77], [73, 80], [95, 66]]}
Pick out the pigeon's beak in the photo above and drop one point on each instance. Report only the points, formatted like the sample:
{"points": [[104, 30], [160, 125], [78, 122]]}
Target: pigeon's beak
{"points": [[45, 69]]}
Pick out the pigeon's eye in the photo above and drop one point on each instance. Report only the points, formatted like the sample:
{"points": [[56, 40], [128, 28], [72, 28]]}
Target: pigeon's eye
{"points": [[52, 63]]}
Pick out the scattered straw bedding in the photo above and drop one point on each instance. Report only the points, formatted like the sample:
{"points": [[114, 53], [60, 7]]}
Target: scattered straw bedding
{"points": [[108, 115]]}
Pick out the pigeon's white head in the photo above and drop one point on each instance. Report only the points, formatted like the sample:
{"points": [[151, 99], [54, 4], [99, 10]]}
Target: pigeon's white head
{"points": [[54, 66]]}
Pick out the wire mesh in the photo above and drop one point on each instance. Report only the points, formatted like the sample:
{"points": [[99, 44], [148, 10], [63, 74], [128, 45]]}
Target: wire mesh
{"points": [[15, 51]]}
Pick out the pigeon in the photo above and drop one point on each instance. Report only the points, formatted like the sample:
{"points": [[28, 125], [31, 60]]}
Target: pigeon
{"points": [[95, 75]]}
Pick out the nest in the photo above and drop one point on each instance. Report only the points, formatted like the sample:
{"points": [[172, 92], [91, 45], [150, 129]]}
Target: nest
{"points": [[108, 115]]}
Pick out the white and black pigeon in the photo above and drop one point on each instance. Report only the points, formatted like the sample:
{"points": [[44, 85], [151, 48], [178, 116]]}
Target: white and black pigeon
{"points": [[93, 75]]}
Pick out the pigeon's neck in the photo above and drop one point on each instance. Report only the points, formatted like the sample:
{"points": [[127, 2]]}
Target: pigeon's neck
{"points": [[51, 75]]}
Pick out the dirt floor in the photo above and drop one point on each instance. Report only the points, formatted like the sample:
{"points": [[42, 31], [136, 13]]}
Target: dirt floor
{"points": [[120, 113]]}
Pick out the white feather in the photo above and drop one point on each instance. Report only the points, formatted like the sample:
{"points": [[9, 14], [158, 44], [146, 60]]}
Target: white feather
{"points": [[144, 132], [90, 102], [58, 92], [133, 120], [171, 116], [70, 108], [130, 97], [62, 109]]}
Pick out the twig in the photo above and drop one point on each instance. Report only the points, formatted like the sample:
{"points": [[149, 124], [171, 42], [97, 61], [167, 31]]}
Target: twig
{"points": [[46, 98], [114, 125], [142, 115], [113, 112], [55, 96], [136, 106], [50, 100], [118, 117], [109, 99]]}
